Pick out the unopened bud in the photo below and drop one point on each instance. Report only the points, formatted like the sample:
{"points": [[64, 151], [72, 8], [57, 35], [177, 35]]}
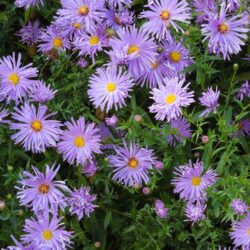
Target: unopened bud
{"points": [[187, 33], [205, 139], [9, 196], [236, 67], [10, 168], [146, 190], [2, 205], [138, 118], [20, 212], [196, 155], [159, 165], [97, 244]]}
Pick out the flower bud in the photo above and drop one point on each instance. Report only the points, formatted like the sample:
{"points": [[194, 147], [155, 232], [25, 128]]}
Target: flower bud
{"points": [[2, 205], [146, 190], [205, 139], [159, 165], [97, 244], [138, 118], [235, 67], [10, 168]]}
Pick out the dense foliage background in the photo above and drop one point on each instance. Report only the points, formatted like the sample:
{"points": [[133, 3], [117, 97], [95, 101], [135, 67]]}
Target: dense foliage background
{"points": [[125, 217]]}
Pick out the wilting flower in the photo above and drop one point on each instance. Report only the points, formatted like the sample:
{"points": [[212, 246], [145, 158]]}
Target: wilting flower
{"points": [[28, 3], [160, 209], [244, 91], [42, 93], [34, 131], [239, 206], [111, 121], [15, 80], [52, 38], [225, 34], [3, 114], [191, 183], [176, 55], [86, 12], [40, 191], [90, 168], [81, 202], [131, 164], [241, 233], [140, 49], [30, 33], [195, 212], [169, 98], [181, 129], [109, 88], [203, 9], [47, 234], [20, 246], [79, 142], [209, 99], [163, 14], [244, 127]]}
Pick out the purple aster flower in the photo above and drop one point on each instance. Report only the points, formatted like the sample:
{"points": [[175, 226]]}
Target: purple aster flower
{"points": [[159, 165], [209, 99], [15, 80], [83, 63], [30, 33], [79, 142], [28, 3], [239, 206], [109, 88], [195, 212], [19, 246], [203, 9], [52, 38], [169, 98], [244, 127], [42, 93], [233, 5], [160, 209], [81, 202], [45, 233], [244, 91], [139, 47], [191, 183], [118, 19], [3, 114], [247, 58], [131, 164], [87, 12], [112, 121], [155, 75], [176, 55], [41, 192], [90, 168], [119, 3], [163, 14], [91, 43], [241, 233], [118, 57], [181, 129], [34, 131], [225, 34]]}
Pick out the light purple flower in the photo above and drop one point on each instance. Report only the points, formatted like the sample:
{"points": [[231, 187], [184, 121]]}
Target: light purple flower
{"points": [[41, 192], [42, 93], [81, 202], [191, 181], [181, 129], [239, 206], [160, 209], [86, 12], [28, 3], [244, 91], [30, 33], [45, 233], [233, 5], [34, 130], [241, 233], [3, 114], [19, 246], [53, 38], [83, 63], [112, 121], [79, 142], [140, 49], [209, 100], [159, 165], [225, 34], [15, 80], [109, 88], [90, 168], [165, 13], [195, 212], [244, 127], [131, 164], [119, 3], [169, 98]]}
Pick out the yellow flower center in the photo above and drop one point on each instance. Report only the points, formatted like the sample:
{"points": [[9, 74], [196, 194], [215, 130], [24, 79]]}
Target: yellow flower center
{"points": [[165, 15], [79, 141], [175, 56], [83, 10], [132, 163], [196, 181], [248, 232], [47, 234], [57, 42], [111, 87], [77, 25], [170, 99], [14, 78], [44, 188], [155, 65], [223, 28], [36, 125], [93, 40], [133, 49]]}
